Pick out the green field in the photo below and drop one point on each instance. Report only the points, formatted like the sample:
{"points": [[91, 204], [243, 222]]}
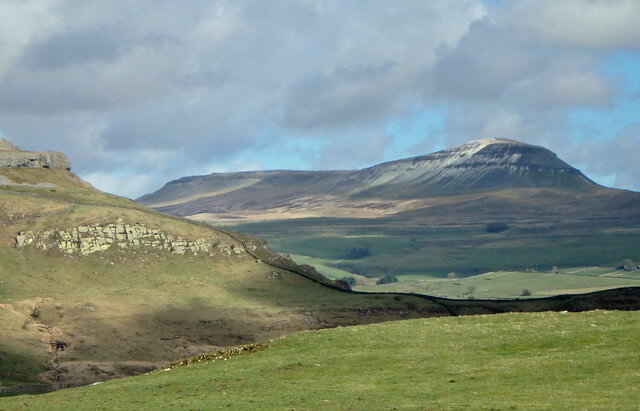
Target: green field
{"points": [[493, 285], [496, 265], [508, 361]]}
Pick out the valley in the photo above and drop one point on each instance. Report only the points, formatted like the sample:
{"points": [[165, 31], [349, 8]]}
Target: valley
{"points": [[484, 207], [95, 286]]}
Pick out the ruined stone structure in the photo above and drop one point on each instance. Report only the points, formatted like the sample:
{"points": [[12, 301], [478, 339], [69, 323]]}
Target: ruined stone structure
{"points": [[88, 239], [12, 156]]}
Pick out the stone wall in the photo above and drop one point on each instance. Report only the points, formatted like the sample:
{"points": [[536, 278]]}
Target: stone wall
{"points": [[88, 239]]}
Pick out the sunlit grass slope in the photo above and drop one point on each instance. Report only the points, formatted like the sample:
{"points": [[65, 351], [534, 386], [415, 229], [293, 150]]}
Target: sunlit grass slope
{"points": [[522, 361], [125, 311]]}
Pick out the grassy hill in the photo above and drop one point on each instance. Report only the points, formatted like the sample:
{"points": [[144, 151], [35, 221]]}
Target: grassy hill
{"points": [[94, 286], [507, 361]]}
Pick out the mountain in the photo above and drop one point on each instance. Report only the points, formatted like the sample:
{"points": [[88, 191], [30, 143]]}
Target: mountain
{"points": [[94, 286], [494, 173], [475, 166], [481, 207]]}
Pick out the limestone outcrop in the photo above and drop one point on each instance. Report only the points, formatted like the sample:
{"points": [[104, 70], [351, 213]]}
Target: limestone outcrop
{"points": [[88, 239], [12, 156]]}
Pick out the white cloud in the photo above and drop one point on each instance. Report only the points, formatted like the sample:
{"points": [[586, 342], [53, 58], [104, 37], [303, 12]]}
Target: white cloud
{"points": [[165, 89], [599, 24]]}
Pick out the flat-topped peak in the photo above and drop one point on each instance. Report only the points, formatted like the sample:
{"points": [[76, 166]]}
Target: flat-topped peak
{"points": [[8, 145], [477, 145]]}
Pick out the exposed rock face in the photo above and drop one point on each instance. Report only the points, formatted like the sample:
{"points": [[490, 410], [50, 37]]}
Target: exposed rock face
{"points": [[7, 145], [88, 239], [12, 156]]}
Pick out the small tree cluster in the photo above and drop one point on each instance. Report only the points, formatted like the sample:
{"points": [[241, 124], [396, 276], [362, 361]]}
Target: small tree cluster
{"points": [[387, 279], [496, 227], [627, 265], [349, 280], [358, 252]]}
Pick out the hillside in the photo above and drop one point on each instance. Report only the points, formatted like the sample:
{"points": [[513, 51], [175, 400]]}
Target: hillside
{"points": [[94, 286], [523, 361]]}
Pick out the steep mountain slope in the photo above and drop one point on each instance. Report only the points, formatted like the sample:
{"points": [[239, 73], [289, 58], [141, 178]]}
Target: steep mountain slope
{"points": [[475, 166], [94, 286]]}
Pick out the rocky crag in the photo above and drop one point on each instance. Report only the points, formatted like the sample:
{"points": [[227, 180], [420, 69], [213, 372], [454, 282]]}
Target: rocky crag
{"points": [[88, 239], [12, 156]]}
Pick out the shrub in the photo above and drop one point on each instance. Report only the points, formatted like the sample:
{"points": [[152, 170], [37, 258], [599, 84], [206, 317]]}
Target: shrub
{"points": [[349, 280], [627, 265], [387, 279], [496, 227], [526, 292], [358, 252]]}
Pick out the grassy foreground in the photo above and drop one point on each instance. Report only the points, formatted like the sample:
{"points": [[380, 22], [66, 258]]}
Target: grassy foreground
{"points": [[524, 360]]}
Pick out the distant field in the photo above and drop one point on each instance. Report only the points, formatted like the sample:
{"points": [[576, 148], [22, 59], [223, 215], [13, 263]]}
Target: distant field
{"points": [[498, 284], [496, 265], [522, 361], [504, 284]]}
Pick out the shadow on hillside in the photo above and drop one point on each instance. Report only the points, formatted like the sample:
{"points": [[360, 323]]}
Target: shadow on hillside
{"points": [[617, 299]]}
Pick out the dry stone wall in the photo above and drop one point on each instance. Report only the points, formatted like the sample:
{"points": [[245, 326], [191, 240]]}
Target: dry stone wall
{"points": [[88, 239]]}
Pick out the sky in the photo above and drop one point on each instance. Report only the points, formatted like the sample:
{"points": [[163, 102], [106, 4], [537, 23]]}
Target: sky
{"points": [[140, 93]]}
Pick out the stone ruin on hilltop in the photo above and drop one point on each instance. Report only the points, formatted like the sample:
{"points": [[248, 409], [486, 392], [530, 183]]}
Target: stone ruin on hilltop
{"points": [[12, 156]]}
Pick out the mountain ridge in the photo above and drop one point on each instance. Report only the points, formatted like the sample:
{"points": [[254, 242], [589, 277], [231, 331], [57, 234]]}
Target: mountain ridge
{"points": [[478, 167]]}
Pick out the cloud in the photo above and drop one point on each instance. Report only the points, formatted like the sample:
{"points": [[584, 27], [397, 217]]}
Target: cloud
{"points": [[591, 24], [575, 89], [163, 89], [617, 157]]}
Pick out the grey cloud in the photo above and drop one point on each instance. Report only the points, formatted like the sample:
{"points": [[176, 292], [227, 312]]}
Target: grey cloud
{"points": [[487, 60], [164, 89], [348, 96], [575, 89], [495, 62], [591, 24], [74, 47], [617, 156]]}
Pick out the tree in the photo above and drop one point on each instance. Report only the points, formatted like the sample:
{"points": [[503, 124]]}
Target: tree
{"points": [[387, 279], [526, 292], [358, 252], [451, 276], [349, 280], [627, 265], [496, 227]]}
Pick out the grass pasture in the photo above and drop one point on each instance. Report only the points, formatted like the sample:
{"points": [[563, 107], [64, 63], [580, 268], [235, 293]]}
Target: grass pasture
{"points": [[506, 284], [496, 265], [507, 361]]}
